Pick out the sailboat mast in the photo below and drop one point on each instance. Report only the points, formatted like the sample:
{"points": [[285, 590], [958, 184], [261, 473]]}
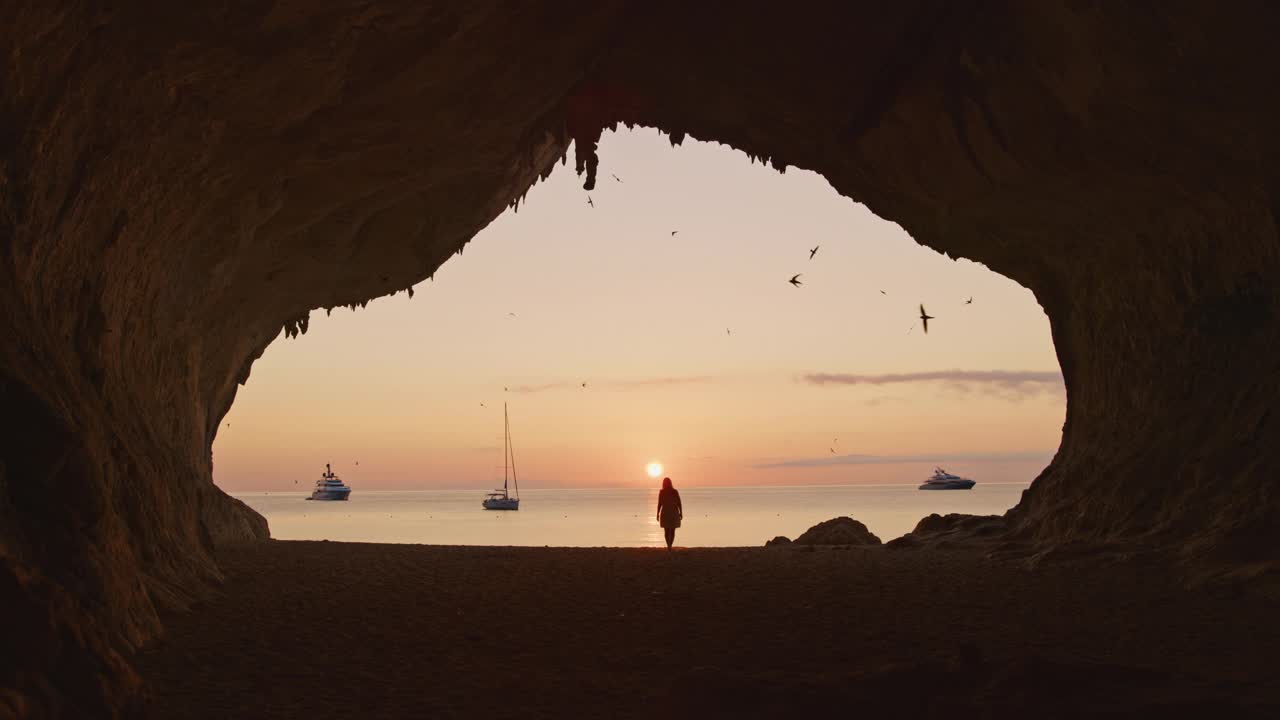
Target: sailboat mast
{"points": [[506, 433], [512, 450]]}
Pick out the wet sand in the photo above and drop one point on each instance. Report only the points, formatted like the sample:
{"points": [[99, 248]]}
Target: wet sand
{"points": [[345, 630]]}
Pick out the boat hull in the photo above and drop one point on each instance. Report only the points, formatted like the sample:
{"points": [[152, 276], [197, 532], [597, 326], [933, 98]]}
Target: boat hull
{"points": [[330, 495], [954, 485], [501, 504]]}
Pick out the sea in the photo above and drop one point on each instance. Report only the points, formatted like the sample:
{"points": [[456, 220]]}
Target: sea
{"points": [[616, 517]]}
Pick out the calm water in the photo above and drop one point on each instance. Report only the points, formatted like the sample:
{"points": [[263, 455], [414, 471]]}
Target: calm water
{"points": [[615, 517]]}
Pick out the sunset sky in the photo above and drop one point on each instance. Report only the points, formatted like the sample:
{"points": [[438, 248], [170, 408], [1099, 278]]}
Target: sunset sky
{"points": [[695, 350]]}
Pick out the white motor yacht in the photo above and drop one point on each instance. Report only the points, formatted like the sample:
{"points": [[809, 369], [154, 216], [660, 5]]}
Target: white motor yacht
{"points": [[943, 480], [330, 487]]}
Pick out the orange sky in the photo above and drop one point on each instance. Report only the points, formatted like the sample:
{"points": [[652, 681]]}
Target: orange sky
{"points": [[818, 384]]}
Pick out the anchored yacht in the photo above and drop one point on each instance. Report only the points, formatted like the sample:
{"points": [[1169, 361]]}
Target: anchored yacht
{"points": [[943, 480], [330, 487]]}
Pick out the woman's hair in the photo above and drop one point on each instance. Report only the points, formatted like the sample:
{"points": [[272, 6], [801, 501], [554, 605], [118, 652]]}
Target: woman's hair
{"points": [[666, 484]]}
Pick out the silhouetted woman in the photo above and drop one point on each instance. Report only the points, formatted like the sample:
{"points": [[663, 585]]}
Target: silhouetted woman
{"points": [[670, 511]]}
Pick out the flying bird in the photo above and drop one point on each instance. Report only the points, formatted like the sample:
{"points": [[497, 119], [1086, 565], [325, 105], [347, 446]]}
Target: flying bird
{"points": [[481, 405], [969, 301], [589, 201], [883, 292], [511, 314], [615, 177], [925, 318], [584, 384], [833, 450], [726, 331], [673, 233], [795, 280], [814, 251], [504, 388]]}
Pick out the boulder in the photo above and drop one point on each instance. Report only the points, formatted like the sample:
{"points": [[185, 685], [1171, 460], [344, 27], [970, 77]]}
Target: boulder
{"points": [[973, 525], [838, 531]]}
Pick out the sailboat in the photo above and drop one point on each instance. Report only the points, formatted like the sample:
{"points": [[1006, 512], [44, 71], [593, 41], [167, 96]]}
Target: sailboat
{"points": [[500, 499]]}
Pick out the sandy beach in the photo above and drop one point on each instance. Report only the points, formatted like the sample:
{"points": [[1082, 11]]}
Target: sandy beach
{"points": [[334, 630]]}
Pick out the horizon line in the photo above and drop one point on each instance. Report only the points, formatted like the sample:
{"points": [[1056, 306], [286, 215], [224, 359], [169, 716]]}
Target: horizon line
{"points": [[655, 487], [916, 459]]}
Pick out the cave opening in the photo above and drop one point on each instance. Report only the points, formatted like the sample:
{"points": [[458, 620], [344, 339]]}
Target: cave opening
{"points": [[656, 322], [177, 186]]}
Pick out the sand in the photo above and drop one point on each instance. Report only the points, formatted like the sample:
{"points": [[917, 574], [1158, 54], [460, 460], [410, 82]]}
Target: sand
{"points": [[343, 630]]}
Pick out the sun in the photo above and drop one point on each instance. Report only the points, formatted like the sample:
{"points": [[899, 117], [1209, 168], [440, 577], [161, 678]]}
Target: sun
{"points": [[654, 469]]}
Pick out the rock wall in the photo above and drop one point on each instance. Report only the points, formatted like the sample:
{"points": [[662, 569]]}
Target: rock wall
{"points": [[179, 183]]}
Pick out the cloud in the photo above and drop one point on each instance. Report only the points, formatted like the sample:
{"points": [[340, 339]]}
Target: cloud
{"points": [[539, 388], [979, 457], [657, 381], [1010, 384], [633, 384]]}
